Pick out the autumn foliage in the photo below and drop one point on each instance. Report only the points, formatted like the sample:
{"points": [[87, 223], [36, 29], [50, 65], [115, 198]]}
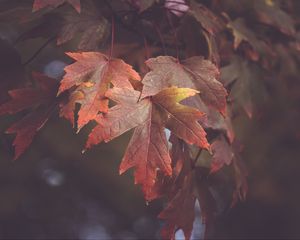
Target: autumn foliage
{"points": [[147, 66]]}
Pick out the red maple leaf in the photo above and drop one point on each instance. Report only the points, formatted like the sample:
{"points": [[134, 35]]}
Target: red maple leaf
{"points": [[148, 148], [90, 77], [194, 72], [183, 191], [39, 4], [208, 20], [183, 200], [41, 100], [222, 154]]}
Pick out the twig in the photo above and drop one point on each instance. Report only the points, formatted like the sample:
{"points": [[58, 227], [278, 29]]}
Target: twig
{"points": [[175, 35], [112, 36], [38, 51], [133, 29], [193, 163], [160, 38], [146, 48]]}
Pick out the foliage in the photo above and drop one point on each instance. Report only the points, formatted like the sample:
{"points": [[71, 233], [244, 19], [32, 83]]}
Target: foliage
{"points": [[191, 67]]}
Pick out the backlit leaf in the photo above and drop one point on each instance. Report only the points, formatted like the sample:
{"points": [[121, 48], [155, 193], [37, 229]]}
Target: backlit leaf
{"points": [[194, 72], [91, 76], [41, 100], [148, 148]]}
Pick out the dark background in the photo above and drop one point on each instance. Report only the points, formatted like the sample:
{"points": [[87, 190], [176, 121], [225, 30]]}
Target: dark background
{"points": [[54, 191]]}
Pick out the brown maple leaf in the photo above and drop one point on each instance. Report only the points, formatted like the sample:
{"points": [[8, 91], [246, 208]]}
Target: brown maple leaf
{"points": [[222, 154], [39, 4], [195, 73], [41, 100], [190, 186], [269, 12], [164, 185], [90, 76], [207, 19], [180, 213], [92, 27], [148, 148], [242, 33], [244, 76]]}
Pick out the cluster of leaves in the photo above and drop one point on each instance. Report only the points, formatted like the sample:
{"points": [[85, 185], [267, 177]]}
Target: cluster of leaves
{"points": [[197, 63]]}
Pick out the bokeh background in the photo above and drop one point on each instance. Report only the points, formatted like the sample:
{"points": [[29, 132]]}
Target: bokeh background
{"points": [[55, 192]]}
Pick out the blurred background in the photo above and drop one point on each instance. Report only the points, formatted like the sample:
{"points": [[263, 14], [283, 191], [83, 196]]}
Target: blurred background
{"points": [[55, 192]]}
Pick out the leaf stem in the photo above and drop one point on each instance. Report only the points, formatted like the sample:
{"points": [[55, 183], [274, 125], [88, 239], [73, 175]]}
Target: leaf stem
{"points": [[38, 51], [133, 28], [193, 163], [175, 35], [160, 37], [112, 36], [147, 53]]}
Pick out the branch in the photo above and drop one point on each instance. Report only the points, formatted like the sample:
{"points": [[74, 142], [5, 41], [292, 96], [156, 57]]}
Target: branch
{"points": [[38, 51], [133, 29]]}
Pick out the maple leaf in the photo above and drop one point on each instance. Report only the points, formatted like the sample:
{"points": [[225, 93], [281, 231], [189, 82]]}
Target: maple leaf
{"points": [[164, 185], [206, 201], [244, 77], [148, 152], [242, 33], [194, 72], [187, 188], [90, 24], [213, 119], [179, 152], [89, 27], [148, 147], [207, 19], [183, 200], [181, 120], [222, 154], [91, 76], [67, 108], [269, 12], [42, 100], [180, 191], [216, 121], [127, 114], [213, 51], [39, 4]]}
